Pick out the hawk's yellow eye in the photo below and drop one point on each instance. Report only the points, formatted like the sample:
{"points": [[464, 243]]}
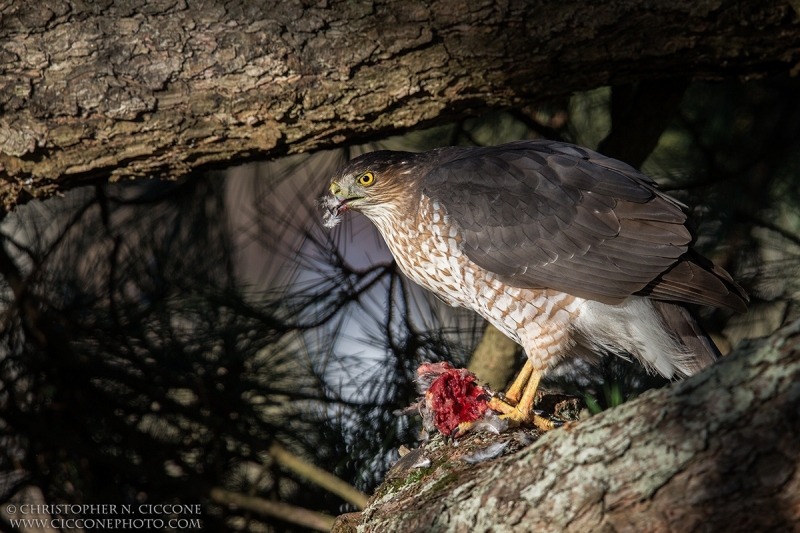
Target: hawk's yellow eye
{"points": [[366, 179]]}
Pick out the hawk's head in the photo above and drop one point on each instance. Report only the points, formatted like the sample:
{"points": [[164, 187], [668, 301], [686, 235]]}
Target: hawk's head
{"points": [[375, 184]]}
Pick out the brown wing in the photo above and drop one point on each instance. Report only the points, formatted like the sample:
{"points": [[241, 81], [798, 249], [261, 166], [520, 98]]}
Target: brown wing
{"points": [[549, 214]]}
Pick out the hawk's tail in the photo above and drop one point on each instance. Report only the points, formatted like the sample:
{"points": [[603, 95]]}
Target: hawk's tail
{"points": [[663, 336], [680, 322]]}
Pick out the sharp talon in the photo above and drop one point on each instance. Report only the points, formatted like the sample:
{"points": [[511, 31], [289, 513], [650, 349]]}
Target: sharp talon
{"points": [[546, 424]]}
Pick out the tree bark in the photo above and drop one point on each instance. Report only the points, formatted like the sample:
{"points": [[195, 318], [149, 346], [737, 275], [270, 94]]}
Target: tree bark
{"points": [[717, 452], [124, 88]]}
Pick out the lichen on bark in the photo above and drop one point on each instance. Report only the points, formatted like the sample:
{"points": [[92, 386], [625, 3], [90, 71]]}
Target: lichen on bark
{"points": [[719, 451]]}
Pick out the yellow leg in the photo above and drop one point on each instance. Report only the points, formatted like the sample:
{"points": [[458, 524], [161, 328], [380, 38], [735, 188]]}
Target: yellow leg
{"points": [[523, 413], [514, 392], [525, 405]]}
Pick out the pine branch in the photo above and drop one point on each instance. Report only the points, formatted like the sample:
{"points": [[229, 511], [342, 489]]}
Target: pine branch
{"points": [[318, 476], [283, 511]]}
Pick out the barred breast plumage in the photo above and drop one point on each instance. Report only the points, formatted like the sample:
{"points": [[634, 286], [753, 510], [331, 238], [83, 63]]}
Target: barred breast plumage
{"points": [[428, 251]]}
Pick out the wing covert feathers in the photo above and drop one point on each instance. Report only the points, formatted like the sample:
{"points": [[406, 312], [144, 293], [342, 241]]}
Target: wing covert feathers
{"points": [[547, 214]]}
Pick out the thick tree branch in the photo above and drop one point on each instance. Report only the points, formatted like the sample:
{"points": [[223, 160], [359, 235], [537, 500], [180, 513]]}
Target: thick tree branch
{"points": [[717, 452], [494, 357], [90, 92]]}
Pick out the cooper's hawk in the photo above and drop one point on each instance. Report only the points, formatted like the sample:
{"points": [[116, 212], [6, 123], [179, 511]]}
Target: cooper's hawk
{"points": [[566, 251]]}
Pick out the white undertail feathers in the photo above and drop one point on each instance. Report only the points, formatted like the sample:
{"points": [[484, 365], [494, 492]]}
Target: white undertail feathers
{"points": [[634, 327]]}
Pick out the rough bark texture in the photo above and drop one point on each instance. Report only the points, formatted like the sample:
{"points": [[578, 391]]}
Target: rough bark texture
{"points": [[118, 88], [717, 452]]}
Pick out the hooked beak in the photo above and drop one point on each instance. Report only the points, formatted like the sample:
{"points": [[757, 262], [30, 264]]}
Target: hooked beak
{"points": [[335, 204]]}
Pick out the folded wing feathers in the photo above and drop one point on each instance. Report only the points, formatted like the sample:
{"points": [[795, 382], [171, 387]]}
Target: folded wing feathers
{"points": [[547, 214]]}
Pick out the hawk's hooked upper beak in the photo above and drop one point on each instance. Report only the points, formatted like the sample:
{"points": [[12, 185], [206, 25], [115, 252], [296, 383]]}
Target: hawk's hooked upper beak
{"points": [[335, 204]]}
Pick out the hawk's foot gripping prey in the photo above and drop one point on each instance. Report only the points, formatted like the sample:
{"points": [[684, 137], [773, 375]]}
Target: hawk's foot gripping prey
{"points": [[517, 403], [566, 251], [454, 403]]}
